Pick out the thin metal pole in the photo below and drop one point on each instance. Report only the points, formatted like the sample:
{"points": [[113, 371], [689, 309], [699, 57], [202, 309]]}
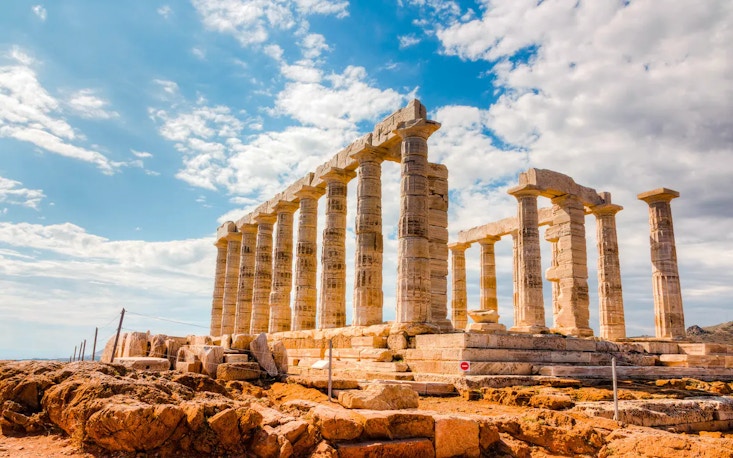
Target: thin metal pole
{"points": [[117, 336], [74, 359], [94, 347], [83, 349], [330, 361], [615, 389]]}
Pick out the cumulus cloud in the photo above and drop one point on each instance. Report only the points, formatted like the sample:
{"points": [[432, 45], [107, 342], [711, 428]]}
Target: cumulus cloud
{"points": [[12, 192], [86, 104], [40, 12], [408, 40]]}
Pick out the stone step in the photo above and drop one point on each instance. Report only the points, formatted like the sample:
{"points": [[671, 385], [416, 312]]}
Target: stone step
{"points": [[637, 372], [705, 349], [511, 341], [528, 356], [700, 361], [474, 368], [421, 388]]}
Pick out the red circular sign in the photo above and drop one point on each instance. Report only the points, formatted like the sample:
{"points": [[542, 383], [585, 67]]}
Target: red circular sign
{"points": [[465, 365]]}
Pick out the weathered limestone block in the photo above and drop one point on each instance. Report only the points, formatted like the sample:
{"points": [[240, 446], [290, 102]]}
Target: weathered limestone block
{"points": [[136, 344], [242, 341], [238, 371], [210, 357], [380, 397], [199, 340], [336, 425], [145, 363], [404, 448], [156, 345], [369, 342], [456, 436], [236, 358], [280, 355], [263, 355]]}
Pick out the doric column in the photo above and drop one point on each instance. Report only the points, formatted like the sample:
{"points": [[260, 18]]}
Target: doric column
{"points": [[552, 235], [306, 260], [572, 314], [219, 274], [459, 298], [487, 295], [610, 297], [669, 316], [529, 311], [282, 268], [243, 316], [263, 274], [515, 275], [413, 268], [231, 283], [438, 239], [333, 254], [368, 297]]}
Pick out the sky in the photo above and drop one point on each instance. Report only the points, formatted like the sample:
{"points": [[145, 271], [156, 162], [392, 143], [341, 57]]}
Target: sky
{"points": [[130, 130]]}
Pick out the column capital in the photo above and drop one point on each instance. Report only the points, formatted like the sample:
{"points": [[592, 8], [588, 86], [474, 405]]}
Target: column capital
{"points": [[309, 192], [421, 128], [248, 228], [459, 246], [221, 243], [285, 206], [523, 190], [264, 218], [338, 175], [605, 209], [658, 195], [369, 154], [234, 237], [489, 240]]}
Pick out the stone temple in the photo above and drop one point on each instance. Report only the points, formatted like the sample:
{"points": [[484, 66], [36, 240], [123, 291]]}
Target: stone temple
{"points": [[266, 277]]}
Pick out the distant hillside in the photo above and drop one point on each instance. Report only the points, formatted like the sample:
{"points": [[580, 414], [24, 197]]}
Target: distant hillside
{"points": [[719, 333]]}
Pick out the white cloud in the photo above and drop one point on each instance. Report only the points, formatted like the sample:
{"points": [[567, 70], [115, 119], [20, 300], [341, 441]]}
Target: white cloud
{"points": [[313, 45], [87, 105], [408, 40], [165, 11], [199, 53], [141, 154], [169, 87], [39, 11], [12, 193]]}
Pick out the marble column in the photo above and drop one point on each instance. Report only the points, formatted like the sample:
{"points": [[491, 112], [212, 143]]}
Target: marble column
{"points": [[669, 316], [282, 268], [486, 318], [306, 260], [438, 240], [610, 296], [333, 254], [552, 235], [459, 298], [243, 315], [220, 273], [231, 283], [413, 268], [572, 314], [529, 311], [263, 274], [368, 296]]}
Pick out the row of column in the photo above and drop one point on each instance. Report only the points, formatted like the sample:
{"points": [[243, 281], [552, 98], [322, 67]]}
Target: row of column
{"points": [[253, 279]]}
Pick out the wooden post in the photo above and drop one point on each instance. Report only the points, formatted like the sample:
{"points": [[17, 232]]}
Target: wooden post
{"points": [[94, 347], [83, 349], [117, 336], [74, 358]]}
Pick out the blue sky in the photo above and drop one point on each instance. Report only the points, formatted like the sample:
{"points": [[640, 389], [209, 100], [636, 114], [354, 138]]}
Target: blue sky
{"points": [[129, 131]]}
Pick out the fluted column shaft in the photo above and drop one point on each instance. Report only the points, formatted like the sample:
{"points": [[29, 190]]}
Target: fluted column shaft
{"points": [[572, 314], [413, 268], [306, 261], [669, 315], [243, 315], [551, 274], [438, 240], [368, 296], [488, 300], [218, 297], [333, 255], [263, 274], [231, 283], [282, 268], [610, 295], [459, 297], [529, 311]]}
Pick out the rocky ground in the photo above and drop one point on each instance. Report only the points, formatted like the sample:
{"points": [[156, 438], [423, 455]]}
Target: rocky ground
{"points": [[88, 409]]}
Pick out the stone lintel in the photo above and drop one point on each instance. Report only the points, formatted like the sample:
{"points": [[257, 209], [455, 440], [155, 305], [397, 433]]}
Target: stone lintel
{"points": [[658, 195], [525, 190], [283, 206], [266, 218], [248, 228], [369, 154], [233, 237], [501, 228], [246, 219], [309, 192], [554, 184], [383, 133]]}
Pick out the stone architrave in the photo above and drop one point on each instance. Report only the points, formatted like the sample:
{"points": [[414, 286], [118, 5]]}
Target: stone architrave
{"points": [[220, 272], [263, 274], [459, 299], [243, 316], [438, 239], [333, 255], [306, 260], [413, 268], [368, 296], [282, 268], [610, 296], [231, 283], [529, 312], [571, 313], [668, 312]]}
